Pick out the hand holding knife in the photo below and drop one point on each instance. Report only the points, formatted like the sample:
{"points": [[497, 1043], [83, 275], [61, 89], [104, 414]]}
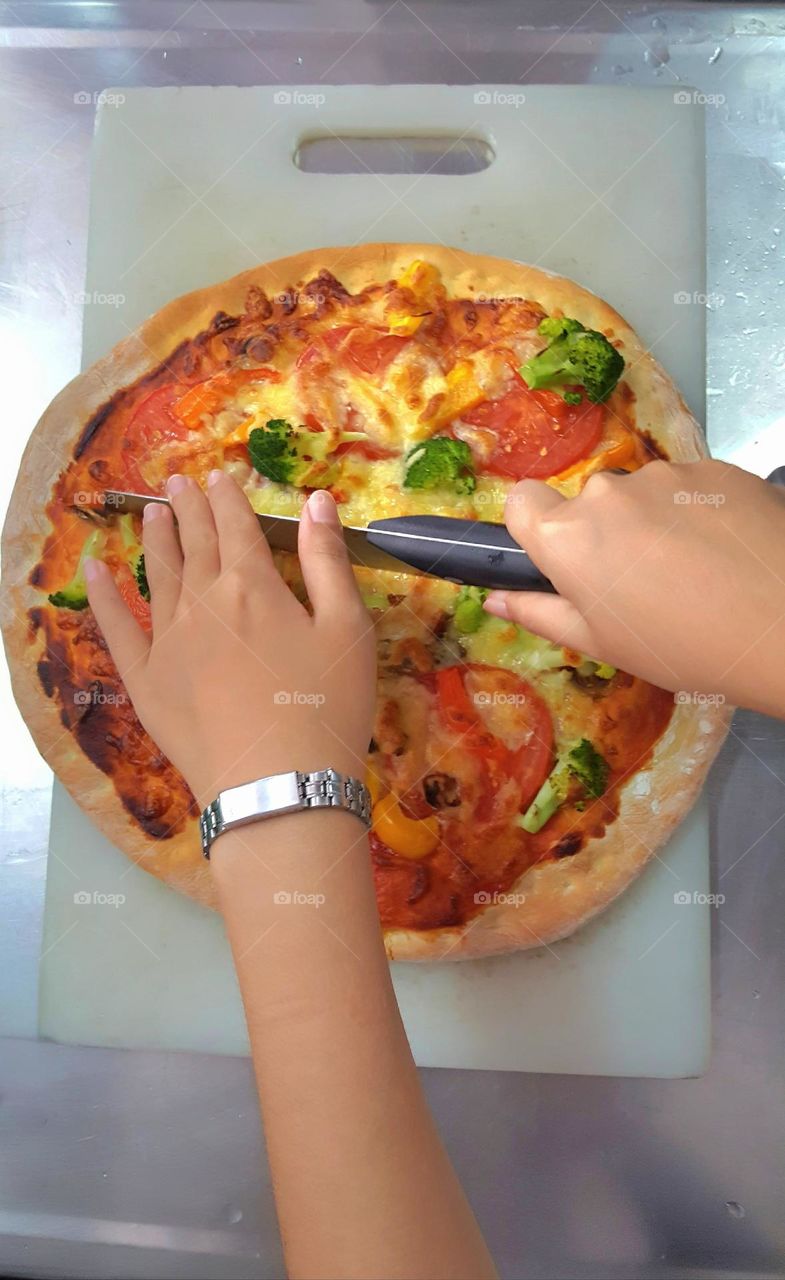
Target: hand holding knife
{"points": [[475, 553]]}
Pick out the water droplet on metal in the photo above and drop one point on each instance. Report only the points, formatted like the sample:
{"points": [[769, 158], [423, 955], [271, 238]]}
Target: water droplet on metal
{"points": [[755, 994], [715, 57], [658, 24], [735, 1209]]}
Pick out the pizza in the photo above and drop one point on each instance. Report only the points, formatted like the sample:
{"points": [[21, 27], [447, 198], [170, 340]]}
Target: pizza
{"points": [[518, 786]]}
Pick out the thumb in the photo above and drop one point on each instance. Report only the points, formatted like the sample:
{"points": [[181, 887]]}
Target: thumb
{"points": [[551, 617], [324, 560], [527, 505]]}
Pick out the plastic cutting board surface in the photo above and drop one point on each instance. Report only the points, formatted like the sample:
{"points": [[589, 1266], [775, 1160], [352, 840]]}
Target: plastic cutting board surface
{"points": [[192, 185]]}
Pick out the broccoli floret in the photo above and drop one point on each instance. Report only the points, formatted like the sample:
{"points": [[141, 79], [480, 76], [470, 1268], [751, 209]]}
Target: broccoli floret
{"points": [[574, 355], [586, 763], [440, 463], [469, 613], [74, 594], [297, 457], [140, 574], [134, 554], [553, 327], [579, 763]]}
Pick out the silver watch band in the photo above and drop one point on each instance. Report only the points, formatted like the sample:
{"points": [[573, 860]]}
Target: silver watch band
{"points": [[282, 793]]}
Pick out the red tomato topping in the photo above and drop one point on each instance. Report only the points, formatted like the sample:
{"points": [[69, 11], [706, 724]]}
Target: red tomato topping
{"points": [[364, 350], [153, 421], [152, 425], [140, 608], [537, 433], [531, 763], [367, 448]]}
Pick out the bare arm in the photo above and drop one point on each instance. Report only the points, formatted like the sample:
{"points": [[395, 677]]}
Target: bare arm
{"points": [[362, 1182]]}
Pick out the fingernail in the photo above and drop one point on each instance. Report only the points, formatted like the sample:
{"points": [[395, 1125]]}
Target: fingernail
{"points": [[176, 484], [92, 569], [214, 477], [152, 511], [322, 508], [496, 603]]}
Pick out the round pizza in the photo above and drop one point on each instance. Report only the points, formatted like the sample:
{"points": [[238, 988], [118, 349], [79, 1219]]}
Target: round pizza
{"points": [[518, 787]]}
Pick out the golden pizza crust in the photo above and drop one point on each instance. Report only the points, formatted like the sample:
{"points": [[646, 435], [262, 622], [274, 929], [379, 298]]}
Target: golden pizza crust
{"points": [[558, 896]]}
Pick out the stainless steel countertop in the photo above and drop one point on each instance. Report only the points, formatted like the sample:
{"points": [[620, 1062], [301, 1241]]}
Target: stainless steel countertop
{"points": [[151, 1165]]}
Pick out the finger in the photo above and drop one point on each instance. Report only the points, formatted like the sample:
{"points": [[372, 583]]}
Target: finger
{"points": [[552, 617], [239, 534], [324, 560], [526, 506], [163, 562], [128, 643], [196, 527]]}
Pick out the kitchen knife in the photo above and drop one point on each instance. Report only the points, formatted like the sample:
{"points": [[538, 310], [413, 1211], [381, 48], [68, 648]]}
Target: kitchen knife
{"points": [[472, 552]]}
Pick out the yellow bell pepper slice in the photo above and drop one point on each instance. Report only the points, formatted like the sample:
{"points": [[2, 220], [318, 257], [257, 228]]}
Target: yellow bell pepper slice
{"points": [[423, 280], [462, 392], [410, 837]]}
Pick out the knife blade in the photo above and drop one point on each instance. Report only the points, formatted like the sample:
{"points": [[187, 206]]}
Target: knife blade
{"points": [[474, 553]]}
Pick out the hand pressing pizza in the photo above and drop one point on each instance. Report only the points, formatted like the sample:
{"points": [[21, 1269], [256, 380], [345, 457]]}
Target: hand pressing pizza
{"points": [[519, 783]]}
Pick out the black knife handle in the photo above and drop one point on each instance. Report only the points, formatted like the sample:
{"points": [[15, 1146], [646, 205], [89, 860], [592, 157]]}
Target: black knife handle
{"points": [[473, 552]]}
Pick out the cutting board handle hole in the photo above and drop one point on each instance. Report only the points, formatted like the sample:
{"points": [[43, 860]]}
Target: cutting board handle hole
{"points": [[369, 153]]}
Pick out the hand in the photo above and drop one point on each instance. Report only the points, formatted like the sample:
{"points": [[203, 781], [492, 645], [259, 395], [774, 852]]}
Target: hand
{"points": [[238, 680], [675, 573]]}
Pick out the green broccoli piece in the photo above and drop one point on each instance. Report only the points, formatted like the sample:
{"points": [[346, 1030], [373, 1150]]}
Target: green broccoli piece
{"points": [[295, 456], [580, 763], [469, 614], [589, 767], [134, 554], [440, 463], [553, 327], [140, 574], [74, 594], [574, 356]]}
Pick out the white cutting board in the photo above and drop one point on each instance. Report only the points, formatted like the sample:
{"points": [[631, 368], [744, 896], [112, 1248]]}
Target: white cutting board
{"points": [[191, 185]]}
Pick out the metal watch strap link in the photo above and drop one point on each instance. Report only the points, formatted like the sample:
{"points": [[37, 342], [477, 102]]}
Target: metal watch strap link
{"points": [[283, 793]]}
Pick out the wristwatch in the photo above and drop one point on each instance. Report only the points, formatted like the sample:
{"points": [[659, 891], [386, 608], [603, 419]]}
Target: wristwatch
{"points": [[283, 793]]}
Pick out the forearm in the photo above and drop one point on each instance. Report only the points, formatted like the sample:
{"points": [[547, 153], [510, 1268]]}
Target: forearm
{"points": [[363, 1185]]}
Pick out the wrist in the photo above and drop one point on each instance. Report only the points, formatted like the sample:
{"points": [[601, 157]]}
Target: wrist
{"points": [[284, 794], [206, 783]]}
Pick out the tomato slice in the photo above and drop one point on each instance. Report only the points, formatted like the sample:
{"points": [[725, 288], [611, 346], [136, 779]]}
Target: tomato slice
{"points": [[365, 448], [537, 433], [153, 421], [461, 716], [364, 350], [139, 607], [152, 425], [530, 763]]}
